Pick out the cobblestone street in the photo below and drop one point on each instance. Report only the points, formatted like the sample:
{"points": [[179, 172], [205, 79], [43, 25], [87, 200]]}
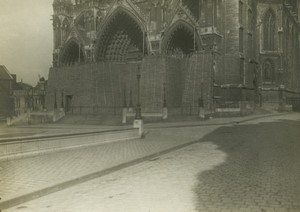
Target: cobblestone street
{"points": [[261, 171], [254, 166], [150, 106]]}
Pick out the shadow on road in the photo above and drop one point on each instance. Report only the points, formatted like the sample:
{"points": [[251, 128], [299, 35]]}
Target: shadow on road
{"points": [[261, 171]]}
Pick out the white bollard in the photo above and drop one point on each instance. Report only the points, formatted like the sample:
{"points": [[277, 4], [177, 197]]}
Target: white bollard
{"points": [[139, 124], [8, 121], [124, 115], [202, 113], [164, 113]]}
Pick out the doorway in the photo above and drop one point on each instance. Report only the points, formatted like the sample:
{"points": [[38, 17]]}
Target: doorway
{"points": [[68, 107]]}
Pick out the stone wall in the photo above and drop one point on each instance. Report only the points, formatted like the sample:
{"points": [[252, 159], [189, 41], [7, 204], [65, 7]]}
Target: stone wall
{"points": [[231, 37], [274, 98]]}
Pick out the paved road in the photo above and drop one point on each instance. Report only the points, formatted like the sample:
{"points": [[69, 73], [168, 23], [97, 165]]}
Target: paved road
{"points": [[27, 175], [254, 166], [58, 129]]}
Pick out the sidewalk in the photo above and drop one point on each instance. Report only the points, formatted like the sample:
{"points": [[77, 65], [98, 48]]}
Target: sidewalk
{"points": [[55, 130], [52, 130], [28, 178]]}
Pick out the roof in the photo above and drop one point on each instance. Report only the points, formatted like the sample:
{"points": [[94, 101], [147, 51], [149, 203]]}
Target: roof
{"points": [[22, 86], [4, 73]]}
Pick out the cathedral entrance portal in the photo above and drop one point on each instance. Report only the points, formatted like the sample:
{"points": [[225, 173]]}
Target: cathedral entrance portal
{"points": [[122, 38]]}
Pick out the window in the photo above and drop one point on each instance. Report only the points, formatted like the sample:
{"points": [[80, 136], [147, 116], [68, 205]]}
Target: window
{"points": [[241, 39], [250, 44], [242, 71], [269, 31], [240, 12], [250, 21], [268, 71]]}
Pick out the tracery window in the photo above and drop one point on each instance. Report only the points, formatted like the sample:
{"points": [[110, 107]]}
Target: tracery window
{"points": [[250, 21], [269, 31], [241, 12]]}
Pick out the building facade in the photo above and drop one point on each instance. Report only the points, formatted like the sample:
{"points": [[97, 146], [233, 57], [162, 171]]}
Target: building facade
{"points": [[17, 98], [189, 53], [6, 90], [28, 98]]}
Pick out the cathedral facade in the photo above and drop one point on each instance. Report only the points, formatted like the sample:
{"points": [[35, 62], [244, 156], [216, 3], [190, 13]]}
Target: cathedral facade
{"points": [[187, 53]]}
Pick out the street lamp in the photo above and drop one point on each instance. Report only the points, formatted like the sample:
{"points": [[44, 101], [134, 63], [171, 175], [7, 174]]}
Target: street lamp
{"points": [[32, 100], [62, 99], [213, 78], [138, 105], [165, 100], [255, 73], [124, 101], [130, 99], [55, 103]]}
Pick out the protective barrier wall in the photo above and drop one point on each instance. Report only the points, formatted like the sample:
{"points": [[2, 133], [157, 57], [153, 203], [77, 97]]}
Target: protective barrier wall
{"points": [[89, 88]]}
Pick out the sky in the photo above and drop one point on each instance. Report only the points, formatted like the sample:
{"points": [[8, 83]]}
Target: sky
{"points": [[26, 38]]}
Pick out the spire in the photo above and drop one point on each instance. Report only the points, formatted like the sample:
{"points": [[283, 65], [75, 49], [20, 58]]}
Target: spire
{"points": [[62, 6], [56, 2]]}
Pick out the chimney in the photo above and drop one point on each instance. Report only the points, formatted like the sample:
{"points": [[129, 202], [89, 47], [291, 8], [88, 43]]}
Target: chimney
{"points": [[14, 76]]}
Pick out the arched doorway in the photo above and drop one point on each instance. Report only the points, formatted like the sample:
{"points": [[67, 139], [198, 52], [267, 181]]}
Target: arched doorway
{"points": [[268, 71], [72, 53], [121, 39], [180, 39]]}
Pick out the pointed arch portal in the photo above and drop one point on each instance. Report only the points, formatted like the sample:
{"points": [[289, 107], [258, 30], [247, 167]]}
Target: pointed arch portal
{"points": [[72, 53], [181, 38], [122, 38]]}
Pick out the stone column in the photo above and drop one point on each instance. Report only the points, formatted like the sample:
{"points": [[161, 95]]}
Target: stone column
{"points": [[281, 98], [55, 103]]}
